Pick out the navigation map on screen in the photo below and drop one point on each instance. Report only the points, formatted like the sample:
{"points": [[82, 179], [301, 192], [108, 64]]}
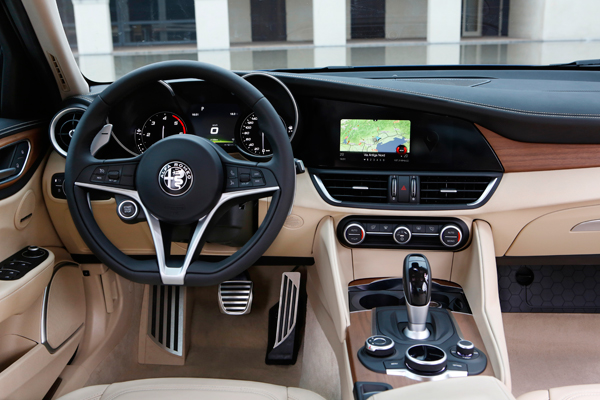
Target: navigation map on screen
{"points": [[375, 135]]}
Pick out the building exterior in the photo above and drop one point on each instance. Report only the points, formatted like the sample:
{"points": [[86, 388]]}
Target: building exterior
{"points": [[332, 30]]}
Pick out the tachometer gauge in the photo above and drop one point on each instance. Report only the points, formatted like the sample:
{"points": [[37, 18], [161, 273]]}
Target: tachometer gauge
{"points": [[157, 127], [253, 140]]}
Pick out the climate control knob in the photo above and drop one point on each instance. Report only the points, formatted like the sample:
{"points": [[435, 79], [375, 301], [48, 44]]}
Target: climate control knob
{"points": [[354, 234], [450, 236], [402, 235]]}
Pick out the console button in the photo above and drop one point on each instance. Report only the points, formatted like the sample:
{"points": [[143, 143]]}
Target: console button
{"points": [[127, 210], [465, 348], [432, 228], [450, 236], [379, 346], [403, 189], [419, 228], [402, 235], [372, 227], [386, 227], [354, 234]]}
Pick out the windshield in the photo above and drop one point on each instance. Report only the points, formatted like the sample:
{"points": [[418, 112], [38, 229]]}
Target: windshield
{"points": [[112, 37]]}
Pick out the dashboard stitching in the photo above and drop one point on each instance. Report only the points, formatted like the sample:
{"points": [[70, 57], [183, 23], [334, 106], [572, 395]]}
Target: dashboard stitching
{"points": [[584, 116]]}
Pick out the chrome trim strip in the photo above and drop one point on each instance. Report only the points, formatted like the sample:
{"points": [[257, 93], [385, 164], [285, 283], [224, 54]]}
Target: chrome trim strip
{"points": [[587, 226], [322, 187], [44, 316], [448, 191], [170, 275], [485, 193], [13, 177], [169, 88], [422, 378], [52, 129], [380, 233], [360, 187]]}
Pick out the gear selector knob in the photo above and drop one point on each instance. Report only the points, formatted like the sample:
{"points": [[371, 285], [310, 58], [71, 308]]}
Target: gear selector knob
{"points": [[416, 279]]}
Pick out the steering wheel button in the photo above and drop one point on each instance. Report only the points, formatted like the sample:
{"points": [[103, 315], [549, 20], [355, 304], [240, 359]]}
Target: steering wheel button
{"points": [[98, 178], [100, 171], [245, 184], [244, 177], [256, 174], [232, 182], [113, 175], [258, 182], [243, 171], [232, 172]]}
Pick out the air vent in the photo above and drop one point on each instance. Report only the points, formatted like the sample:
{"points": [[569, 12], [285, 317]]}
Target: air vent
{"points": [[458, 190], [356, 188], [59, 75], [62, 127], [165, 319]]}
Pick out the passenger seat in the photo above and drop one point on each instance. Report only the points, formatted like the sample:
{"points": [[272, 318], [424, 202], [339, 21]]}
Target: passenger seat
{"points": [[580, 392]]}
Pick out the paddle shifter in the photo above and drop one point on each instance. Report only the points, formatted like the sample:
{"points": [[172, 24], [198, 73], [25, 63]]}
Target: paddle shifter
{"points": [[416, 277]]}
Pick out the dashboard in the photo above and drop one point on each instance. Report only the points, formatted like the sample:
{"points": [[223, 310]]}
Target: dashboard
{"points": [[195, 107]]}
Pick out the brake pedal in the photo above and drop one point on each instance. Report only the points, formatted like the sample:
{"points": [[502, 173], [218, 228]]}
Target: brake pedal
{"points": [[235, 297], [285, 321]]}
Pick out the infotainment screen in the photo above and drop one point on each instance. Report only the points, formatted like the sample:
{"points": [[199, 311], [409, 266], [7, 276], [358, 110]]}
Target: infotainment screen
{"points": [[375, 138]]}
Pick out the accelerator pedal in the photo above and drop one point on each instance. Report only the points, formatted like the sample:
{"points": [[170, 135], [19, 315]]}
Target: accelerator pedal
{"points": [[235, 297], [286, 319]]}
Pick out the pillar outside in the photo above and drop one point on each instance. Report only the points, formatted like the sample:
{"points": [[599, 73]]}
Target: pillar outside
{"points": [[443, 21], [92, 26], [329, 22], [212, 24]]}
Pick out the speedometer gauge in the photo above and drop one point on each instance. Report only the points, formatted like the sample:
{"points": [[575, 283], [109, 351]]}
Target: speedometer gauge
{"points": [[157, 127], [253, 140]]}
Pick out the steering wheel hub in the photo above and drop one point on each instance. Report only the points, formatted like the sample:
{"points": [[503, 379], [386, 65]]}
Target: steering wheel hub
{"points": [[180, 179]]}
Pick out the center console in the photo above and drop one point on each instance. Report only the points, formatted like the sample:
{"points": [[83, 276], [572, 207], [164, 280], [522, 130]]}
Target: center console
{"points": [[416, 339]]}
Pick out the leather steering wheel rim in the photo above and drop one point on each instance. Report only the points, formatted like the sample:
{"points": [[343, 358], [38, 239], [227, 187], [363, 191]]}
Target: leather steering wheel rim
{"points": [[279, 174]]}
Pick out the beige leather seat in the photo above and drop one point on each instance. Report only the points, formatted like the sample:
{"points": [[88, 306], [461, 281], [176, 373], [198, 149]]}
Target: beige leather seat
{"points": [[581, 392], [190, 388]]}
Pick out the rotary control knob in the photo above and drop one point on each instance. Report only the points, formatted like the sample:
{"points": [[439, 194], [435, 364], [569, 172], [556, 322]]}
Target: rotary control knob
{"points": [[465, 348], [450, 236], [402, 235], [379, 346], [354, 234], [33, 252], [425, 359]]}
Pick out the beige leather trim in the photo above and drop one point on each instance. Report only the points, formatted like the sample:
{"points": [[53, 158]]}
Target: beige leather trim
{"points": [[65, 305], [17, 296], [553, 234], [371, 263], [331, 274], [191, 389], [470, 388], [536, 395], [475, 270], [33, 374]]}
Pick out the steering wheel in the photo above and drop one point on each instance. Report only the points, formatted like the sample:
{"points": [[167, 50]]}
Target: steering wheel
{"points": [[180, 180]]}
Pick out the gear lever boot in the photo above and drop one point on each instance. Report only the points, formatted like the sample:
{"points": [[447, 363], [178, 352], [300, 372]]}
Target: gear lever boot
{"points": [[416, 278]]}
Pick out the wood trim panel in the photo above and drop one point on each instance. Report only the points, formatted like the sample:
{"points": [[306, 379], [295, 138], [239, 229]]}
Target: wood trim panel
{"points": [[35, 137], [360, 330], [526, 157]]}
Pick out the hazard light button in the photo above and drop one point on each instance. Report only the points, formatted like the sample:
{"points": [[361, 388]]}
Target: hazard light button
{"points": [[403, 189]]}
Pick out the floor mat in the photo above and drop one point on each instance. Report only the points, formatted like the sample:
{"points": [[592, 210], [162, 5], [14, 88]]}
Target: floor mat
{"points": [[552, 350], [222, 346]]}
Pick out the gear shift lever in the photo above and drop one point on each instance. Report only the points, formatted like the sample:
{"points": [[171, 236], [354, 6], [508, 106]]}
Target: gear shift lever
{"points": [[416, 279]]}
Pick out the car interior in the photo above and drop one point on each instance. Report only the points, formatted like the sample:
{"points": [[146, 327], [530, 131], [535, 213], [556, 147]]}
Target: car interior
{"points": [[406, 232]]}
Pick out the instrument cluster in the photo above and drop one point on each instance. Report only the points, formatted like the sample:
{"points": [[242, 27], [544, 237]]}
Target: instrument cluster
{"points": [[192, 106]]}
